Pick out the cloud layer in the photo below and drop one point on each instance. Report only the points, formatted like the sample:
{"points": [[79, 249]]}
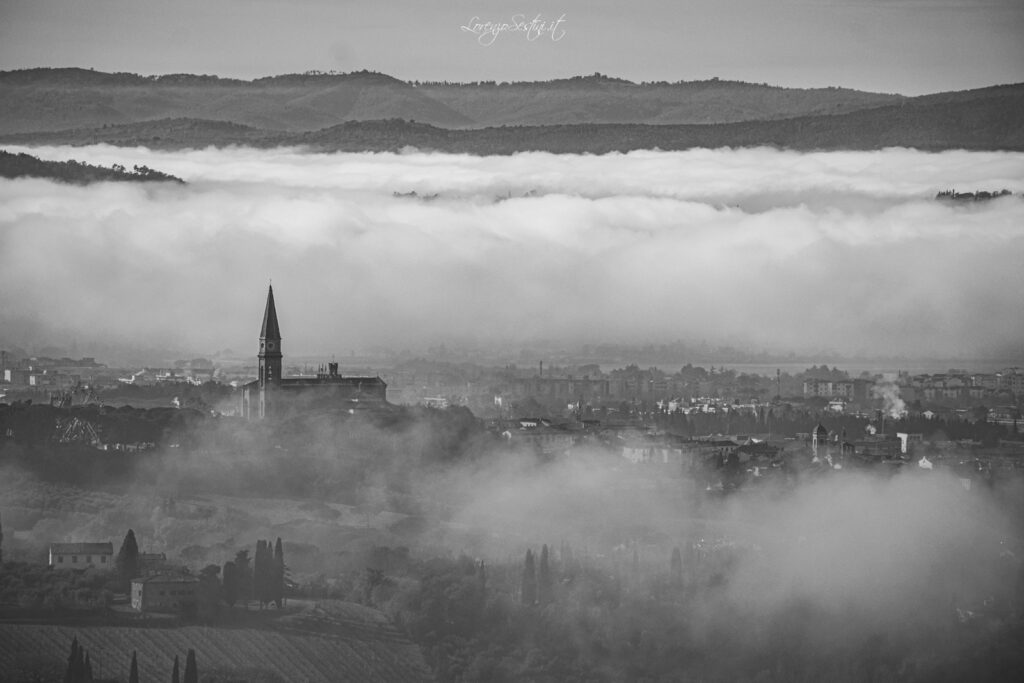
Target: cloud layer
{"points": [[782, 250]]}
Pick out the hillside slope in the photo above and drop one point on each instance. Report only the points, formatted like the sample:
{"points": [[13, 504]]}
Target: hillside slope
{"points": [[989, 120], [56, 99], [328, 643], [76, 172], [596, 99]]}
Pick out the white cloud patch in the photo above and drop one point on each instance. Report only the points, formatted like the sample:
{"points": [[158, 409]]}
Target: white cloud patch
{"points": [[841, 250]]}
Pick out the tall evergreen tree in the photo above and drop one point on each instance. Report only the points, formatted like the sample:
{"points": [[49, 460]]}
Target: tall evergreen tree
{"points": [[71, 673], [127, 561], [133, 672], [191, 671], [80, 664], [260, 582], [545, 582], [87, 668], [243, 574], [677, 565], [175, 676], [528, 591], [230, 578], [278, 590], [481, 577]]}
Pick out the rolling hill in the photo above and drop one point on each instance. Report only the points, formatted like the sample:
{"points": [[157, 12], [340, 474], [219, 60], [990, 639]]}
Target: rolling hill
{"points": [[56, 99], [367, 111], [987, 119]]}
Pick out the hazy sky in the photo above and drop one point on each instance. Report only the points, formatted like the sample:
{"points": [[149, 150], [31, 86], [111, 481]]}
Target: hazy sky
{"points": [[846, 251], [907, 46]]}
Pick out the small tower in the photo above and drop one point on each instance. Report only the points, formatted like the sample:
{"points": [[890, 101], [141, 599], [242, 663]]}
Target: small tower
{"points": [[270, 357], [819, 436]]}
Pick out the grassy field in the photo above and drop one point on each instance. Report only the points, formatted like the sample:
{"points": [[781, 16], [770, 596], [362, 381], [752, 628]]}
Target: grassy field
{"points": [[321, 641]]}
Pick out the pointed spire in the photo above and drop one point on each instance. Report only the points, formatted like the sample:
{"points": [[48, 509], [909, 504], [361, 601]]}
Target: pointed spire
{"points": [[270, 330]]}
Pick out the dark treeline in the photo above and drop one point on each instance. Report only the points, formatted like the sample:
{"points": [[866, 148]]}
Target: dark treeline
{"points": [[75, 172], [314, 455], [576, 619]]}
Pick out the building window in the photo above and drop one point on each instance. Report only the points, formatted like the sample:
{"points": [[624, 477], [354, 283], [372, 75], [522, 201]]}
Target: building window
{"points": [[103, 559], [60, 559], [88, 558], [74, 559]]}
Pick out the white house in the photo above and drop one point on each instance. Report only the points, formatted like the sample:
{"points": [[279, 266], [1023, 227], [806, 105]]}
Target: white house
{"points": [[81, 555]]}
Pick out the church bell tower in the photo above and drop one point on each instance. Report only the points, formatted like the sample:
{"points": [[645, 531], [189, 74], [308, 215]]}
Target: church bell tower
{"points": [[270, 357]]}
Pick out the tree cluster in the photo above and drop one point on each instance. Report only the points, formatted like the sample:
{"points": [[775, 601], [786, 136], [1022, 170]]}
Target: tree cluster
{"points": [[268, 573], [79, 668], [261, 577], [23, 165]]}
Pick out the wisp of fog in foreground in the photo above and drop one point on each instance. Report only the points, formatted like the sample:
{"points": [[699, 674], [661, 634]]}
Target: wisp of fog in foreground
{"points": [[844, 251]]}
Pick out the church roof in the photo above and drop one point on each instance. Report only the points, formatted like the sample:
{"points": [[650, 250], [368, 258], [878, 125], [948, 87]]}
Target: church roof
{"points": [[270, 330]]}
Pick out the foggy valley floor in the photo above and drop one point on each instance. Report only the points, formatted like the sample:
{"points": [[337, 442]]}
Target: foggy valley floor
{"points": [[906, 576], [447, 550]]}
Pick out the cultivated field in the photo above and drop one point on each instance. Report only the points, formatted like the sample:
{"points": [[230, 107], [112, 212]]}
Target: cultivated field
{"points": [[322, 641]]}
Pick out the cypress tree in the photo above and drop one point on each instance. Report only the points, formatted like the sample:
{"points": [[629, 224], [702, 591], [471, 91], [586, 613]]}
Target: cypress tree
{"points": [[230, 578], [127, 562], [80, 664], [191, 672], [545, 588], [175, 676], [133, 672], [278, 590], [528, 592], [677, 565], [71, 672], [243, 574], [481, 576], [87, 668], [259, 573]]}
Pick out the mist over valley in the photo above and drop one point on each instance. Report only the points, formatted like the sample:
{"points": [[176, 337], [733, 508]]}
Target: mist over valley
{"points": [[511, 414]]}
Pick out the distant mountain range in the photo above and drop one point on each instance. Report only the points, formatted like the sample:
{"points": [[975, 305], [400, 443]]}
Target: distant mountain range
{"points": [[370, 111]]}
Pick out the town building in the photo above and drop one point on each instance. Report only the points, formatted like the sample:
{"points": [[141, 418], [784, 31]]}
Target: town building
{"points": [[81, 555], [164, 592], [542, 437], [273, 395], [566, 389], [152, 563]]}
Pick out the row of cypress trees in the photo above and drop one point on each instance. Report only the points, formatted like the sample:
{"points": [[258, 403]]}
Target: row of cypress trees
{"points": [[268, 573], [263, 579], [79, 669], [538, 582]]}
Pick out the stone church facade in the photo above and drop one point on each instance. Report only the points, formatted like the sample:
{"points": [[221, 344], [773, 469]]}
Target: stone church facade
{"points": [[272, 395]]}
